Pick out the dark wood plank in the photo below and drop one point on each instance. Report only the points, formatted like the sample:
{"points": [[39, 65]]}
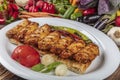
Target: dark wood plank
{"points": [[115, 75], [6, 75]]}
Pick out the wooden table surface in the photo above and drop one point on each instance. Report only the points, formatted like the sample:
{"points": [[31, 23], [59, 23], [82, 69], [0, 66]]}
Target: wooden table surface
{"points": [[6, 75]]}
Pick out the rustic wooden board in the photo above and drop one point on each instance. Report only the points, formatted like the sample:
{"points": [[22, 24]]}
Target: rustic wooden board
{"points": [[6, 75]]}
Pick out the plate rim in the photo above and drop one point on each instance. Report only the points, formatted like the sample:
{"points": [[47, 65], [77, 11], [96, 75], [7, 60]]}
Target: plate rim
{"points": [[4, 63]]}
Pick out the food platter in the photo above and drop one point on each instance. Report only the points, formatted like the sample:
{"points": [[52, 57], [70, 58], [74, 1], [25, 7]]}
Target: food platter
{"points": [[103, 66]]}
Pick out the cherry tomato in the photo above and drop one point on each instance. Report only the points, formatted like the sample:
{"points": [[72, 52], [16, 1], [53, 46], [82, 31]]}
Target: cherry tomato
{"points": [[26, 55]]}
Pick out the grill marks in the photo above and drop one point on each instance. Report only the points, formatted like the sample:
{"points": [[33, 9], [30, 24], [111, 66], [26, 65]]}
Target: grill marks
{"points": [[48, 41], [55, 42], [37, 35]]}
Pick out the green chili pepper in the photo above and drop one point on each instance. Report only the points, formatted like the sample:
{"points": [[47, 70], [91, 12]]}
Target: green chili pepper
{"points": [[50, 67], [61, 10], [1, 8], [74, 16], [38, 67], [66, 1], [72, 31], [56, 1], [69, 11]]}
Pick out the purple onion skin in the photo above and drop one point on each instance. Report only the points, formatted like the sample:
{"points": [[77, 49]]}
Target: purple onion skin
{"points": [[85, 2], [103, 6]]}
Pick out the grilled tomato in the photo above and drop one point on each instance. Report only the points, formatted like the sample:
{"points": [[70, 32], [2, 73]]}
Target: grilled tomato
{"points": [[26, 55]]}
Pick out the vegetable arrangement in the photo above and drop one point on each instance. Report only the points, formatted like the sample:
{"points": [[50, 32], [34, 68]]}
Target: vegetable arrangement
{"points": [[9, 12], [29, 57], [33, 6]]}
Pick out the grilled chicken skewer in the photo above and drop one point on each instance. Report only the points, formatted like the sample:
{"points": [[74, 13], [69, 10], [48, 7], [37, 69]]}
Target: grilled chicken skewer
{"points": [[26, 31], [12, 32], [72, 49], [61, 45], [48, 41], [87, 54], [37, 35]]}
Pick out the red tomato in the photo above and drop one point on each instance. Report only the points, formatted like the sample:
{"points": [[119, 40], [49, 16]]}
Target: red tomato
{"points": [[26, 55]]}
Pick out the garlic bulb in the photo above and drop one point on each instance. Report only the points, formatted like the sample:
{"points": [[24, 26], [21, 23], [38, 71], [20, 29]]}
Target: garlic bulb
{"points": [[21, 3], [47, 59], [61, 70], [114, 34]]}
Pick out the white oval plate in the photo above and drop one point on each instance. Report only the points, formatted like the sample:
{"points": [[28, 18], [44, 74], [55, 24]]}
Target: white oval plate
{"points": [[102, 67]]}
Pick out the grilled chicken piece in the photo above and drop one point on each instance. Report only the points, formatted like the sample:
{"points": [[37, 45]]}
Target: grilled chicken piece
{"points": [[76, 46], [48, 41], [37, 35], [12, 32], [88, 54], [26, 31], [61, 45], [73, 49]]}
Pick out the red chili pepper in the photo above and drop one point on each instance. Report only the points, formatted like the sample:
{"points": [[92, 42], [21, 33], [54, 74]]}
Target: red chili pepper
{"points": [[33, 9], [51, 8], [89, 11], [40, 4], [15, 15], [10, 10], [45, 7], [11, 1], [15, 7]]}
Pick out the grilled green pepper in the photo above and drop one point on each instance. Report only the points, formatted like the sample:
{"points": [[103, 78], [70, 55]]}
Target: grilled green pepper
{"points": [[50, 67], [72, 31], [38, 67]]}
